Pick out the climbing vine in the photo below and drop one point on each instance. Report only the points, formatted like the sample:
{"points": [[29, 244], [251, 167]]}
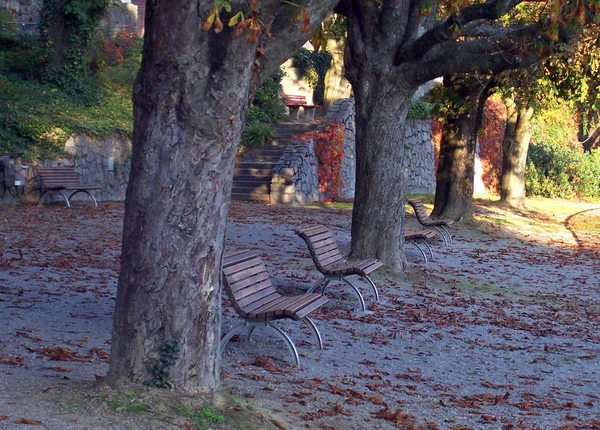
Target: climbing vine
{"points": [[68, 27], [329, 148], [169, 353], [313, 67]]}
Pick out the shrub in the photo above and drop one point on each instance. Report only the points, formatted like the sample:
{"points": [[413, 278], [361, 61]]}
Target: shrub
{"points": [[419, 110], [267, 106], [257, 134], [559, 171]]}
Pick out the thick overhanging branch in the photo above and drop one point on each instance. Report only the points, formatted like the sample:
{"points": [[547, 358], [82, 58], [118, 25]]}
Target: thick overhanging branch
{"points": [[446, 30], [518, 50]]}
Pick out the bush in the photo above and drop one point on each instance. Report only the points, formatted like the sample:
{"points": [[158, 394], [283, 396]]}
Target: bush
{"points": [[257, 134], [559, 171], [267, 107], [419, 110]]}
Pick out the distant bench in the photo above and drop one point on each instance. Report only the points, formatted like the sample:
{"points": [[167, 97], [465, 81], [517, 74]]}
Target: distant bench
{"points": [[295, 102], [60, 179]]}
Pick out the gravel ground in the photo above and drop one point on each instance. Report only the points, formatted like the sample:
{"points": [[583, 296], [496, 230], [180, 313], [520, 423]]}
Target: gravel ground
{"points": [[500, 331]]}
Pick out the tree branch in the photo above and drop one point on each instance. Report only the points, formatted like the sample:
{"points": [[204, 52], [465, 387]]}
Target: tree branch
{"points": [[446, 30], [520, 49]]}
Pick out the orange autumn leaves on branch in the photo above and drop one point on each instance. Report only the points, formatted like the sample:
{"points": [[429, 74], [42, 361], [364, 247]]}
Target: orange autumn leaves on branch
{"points": [[249, 21]]}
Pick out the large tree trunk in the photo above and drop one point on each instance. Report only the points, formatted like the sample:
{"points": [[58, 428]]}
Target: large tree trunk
{"points": [[514, 153], [378, 213], [456, 162], [382, 99], [190, 101]]}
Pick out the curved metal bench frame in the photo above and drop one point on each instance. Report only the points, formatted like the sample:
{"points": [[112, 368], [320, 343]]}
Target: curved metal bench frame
{"points": [[254, 298]]}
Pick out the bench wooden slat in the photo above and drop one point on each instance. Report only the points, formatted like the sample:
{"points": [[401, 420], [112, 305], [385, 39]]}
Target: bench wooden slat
{"points": [[329, 260], [253, 296]]}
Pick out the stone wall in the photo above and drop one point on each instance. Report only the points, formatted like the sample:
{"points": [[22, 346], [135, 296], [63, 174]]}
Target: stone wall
{"points": [[419, 157], [419, 161], [91, 158], [26, 15], [294, 177]]}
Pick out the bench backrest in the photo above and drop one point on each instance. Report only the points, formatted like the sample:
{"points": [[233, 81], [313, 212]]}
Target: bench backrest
{"points": [[322, 246], [295, 100], [58, 177], [420, 210], [246, 280]]}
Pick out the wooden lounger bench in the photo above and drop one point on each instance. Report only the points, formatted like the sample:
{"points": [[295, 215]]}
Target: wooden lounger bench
{"points": [[295, 102], [439, 225], [330, 262], [252, 295], [419, 240], [59, 179]]}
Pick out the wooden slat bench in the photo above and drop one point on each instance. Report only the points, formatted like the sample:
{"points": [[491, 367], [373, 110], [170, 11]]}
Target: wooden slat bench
{"points": [[330, 262], [295, 102], [419, 240], [59, 179], [439, 225], [253, 296]]}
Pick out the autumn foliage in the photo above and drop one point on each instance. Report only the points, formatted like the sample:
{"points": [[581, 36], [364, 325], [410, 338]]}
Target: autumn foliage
{"points": [[329, 147], [490, 143]]}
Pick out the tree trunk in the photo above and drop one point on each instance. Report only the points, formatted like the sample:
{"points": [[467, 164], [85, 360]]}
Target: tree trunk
{"points": [[378, 213], [190, 100], [514, 153], [456, 162]]}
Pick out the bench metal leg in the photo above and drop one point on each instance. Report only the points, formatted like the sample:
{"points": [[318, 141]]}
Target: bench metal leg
{"points": [[444, 234], [314, 330], [416, 244], [428, 248], [359, 296], [288, 342], [323, 282], [88, 193], [228, 336], [373, 287]]}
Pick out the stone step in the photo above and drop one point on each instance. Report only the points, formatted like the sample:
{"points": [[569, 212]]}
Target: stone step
{"points": [[250, 188], [265, 198], [240, 179], [251, 168]]}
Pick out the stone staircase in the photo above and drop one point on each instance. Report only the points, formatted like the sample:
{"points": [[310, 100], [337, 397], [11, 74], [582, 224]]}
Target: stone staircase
{"points": [[252, 175]]}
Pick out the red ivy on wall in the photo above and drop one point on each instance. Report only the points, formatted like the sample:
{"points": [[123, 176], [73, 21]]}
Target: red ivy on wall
{"points": [[329, 148], [490, 138], [490, 142]]}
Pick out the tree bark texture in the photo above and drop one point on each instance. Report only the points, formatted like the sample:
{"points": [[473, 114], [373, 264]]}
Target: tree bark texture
{"points": [[456, 162], [190, 101], [514, 153]]}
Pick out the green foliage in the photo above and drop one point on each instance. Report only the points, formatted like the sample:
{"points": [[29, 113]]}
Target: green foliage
{"points": [[80, 19], [562, 171], [169, 353], [447, 103], [8, 30], [419, 110], [202, 418], [267, 107], [257, 134], [37, 116], [313, 67]]}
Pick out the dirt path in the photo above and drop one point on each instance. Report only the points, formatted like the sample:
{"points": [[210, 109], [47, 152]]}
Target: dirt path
{"points": [[500, 331]]}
